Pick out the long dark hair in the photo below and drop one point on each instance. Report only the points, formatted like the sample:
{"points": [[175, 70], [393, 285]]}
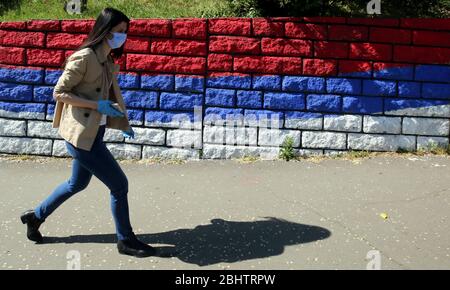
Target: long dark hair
{"points": [[106, 20]]}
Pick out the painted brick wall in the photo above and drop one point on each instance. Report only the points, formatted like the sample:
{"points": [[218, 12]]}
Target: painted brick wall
{"points": [[332, 83]]}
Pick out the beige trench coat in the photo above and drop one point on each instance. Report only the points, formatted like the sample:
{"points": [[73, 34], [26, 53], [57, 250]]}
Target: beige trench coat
{"points": [[89, 73]]}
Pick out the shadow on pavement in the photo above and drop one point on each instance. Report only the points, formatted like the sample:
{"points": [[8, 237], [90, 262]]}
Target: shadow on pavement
{"points": [[220, 241]]}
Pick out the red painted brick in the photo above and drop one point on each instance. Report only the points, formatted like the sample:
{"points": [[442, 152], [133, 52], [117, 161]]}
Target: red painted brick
{"points": [[64, 40], [221, 62], [164, 63], [18, 38], [121, 61], [305, 30], [330, 49], [45, 25], [391, 35], [377, 66], [45, 57], [178, 46], [268, 64], [267, 27], [325, 19], [137, 44], [281, 46], [347, 32], [320, 67], [374, 21], [426, 23], [189, 28], [420, 54], [81, 26], [67, 53], [371, 51], [422, 37], [12, 55], [234, 44], [229, 26], [353, 66], [150, 27], [13, 25]]}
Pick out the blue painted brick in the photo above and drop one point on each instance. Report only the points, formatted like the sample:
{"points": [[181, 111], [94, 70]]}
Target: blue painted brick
{"points": [[189, 83], [304, 84], [284, 101], [43, 94], [22, 107], [360, 104], [249, 99], [301, 115], [343, 86], [140, 99], [219, 97], [328, 103], [409, 89], [50, 109], [157, 82], [52, 76], [215, 113], [22, 75], [432, 90], [229, 82], [128, 80], [135, 115], [391, 104], [396, 73], [168, 116], [180, 101], [379, 88], [267, 82], [433, 73], [15, 92]]}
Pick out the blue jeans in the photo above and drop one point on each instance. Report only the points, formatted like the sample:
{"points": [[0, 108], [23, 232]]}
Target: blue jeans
{"points": [[101, 163]]}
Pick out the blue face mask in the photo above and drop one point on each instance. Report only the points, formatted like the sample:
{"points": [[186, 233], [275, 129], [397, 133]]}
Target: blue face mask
{"points": [[117, 40]]}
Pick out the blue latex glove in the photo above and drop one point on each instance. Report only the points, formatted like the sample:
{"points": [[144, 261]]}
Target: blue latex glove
{"points": [[129, 133], [104, 107]]}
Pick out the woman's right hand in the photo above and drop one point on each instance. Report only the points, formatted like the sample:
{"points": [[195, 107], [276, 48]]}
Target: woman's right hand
{"points": [[105, 107]]}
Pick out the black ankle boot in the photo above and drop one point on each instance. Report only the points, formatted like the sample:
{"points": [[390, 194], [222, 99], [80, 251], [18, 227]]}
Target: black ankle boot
{"points": [[133, 247], [33, 224]]}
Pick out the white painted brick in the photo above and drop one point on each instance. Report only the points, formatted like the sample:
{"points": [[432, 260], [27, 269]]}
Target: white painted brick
{"points": [[113, 135], [379, 124], [42, 129], [230, 135], [425, 126], [348, 123], [169, 153], [124, 151], [275, 137], [148, 136], [304, 123], [22, 115], [308, 152], [431, 111], [25, 145], [312, 139], [380, 142], [426, 142], [60, 149], [184, 138], [213, 151], [12, 127]]}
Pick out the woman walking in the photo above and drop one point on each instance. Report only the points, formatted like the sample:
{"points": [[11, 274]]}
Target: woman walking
{"points": [[88, 100]]}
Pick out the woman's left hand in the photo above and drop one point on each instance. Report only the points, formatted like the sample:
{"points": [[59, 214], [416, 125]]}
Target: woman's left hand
{"points": [[129, 133]]}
